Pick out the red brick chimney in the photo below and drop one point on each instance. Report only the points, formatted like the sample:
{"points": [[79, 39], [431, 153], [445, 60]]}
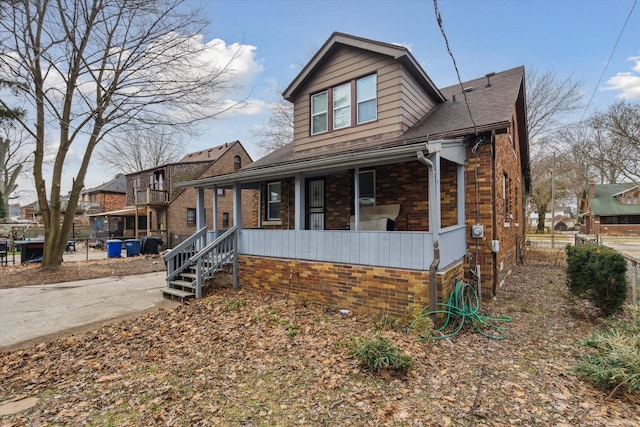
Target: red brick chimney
{"points": [[592, 188]]}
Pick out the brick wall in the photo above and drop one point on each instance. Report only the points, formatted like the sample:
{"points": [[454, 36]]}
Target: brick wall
{"points": [[615, 229], [494, 162], [186, 198], [402, 183], [361, 289], [111, 201]]}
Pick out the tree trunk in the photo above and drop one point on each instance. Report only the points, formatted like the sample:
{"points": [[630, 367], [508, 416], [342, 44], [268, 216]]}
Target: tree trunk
{"points": [[541, 214]]}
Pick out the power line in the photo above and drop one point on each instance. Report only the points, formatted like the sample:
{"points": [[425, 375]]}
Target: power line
{"points": [[446, 41], [615, 46]]}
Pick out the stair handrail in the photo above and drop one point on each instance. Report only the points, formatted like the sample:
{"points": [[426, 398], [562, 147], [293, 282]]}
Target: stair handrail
{"points": [[177, 259], [213, 244], [227, 241]]}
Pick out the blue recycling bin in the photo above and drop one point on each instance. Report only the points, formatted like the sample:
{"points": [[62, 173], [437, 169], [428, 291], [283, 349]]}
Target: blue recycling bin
{"points": [[114, 247], [133, 247]]}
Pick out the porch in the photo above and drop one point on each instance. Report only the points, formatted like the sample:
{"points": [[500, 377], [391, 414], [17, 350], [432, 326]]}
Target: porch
{"points": [[302, 227]]}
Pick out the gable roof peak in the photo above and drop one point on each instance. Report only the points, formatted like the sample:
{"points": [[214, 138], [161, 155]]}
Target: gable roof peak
{"points": [[397, 52]]}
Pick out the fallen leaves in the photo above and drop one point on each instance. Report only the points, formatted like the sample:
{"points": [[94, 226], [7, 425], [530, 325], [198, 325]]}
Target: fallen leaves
{"points": [[249, 358]]}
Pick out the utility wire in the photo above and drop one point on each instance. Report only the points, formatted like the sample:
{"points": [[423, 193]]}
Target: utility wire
{"points": [[446, 41], [613, 51]]}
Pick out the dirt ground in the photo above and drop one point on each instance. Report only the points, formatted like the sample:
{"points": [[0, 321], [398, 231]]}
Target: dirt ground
{"points": [[31, 274], [253, 358]]}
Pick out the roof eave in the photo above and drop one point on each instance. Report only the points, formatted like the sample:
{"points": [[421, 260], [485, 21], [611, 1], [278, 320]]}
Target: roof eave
{"points": [[333, 163]]}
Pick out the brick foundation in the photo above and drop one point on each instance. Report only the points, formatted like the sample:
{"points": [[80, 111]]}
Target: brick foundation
{"points": [[362, 289]]}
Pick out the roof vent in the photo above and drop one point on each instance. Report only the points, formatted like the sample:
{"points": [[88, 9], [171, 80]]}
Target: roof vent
{"points": [[467, 89], [488, 76]]}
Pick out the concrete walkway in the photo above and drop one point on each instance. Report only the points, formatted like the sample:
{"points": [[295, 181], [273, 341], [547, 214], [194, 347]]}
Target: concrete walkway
{"points": [[32, 314]]}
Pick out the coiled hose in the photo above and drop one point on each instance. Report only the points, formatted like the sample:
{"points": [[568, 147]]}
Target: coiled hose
{"points": [[463, 305]]}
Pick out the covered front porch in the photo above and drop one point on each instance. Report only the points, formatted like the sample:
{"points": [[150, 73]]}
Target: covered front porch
{"points": [[317, 213]]}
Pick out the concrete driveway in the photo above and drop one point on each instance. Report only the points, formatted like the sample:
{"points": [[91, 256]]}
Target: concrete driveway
{"points": [[35, 313]]}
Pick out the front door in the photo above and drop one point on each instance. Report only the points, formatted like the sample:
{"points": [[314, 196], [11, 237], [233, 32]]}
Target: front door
{"points": [[315, 204]]}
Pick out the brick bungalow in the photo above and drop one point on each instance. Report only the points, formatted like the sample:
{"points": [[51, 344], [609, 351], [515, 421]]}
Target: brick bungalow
{"points": [[392, 188], [611, 209]]}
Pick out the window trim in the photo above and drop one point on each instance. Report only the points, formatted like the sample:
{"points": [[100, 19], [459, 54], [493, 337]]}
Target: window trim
{"points": [[359, 101], [270, 202], [315, 114], [354, 103], [349, 106], [189, 211]]}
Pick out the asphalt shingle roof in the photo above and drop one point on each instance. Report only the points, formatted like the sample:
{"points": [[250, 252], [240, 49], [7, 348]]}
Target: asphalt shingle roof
{"points": [[492, 107], [116, 185], [606, 204]]}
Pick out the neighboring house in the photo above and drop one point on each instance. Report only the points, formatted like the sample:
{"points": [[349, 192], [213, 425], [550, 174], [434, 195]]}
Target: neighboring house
{"points": [[611, 209], [31, 212], [109, 196], [390, 191], [560, 214], [156, 206]]}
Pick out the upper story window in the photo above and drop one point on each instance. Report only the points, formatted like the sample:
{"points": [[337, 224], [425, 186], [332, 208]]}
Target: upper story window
{"points": [[342, 106], [237, 163], [319, 119], [344, 112], [367, 100]]}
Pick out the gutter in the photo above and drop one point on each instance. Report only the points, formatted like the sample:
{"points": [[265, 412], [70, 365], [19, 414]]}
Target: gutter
{"points": [[434, 227]]}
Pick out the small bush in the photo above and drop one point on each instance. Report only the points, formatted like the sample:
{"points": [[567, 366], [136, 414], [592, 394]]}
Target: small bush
{"points": [[613, 358], [378, 354], [422, 326], [597, 274]]}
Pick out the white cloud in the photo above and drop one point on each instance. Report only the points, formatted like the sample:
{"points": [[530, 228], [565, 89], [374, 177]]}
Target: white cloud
{"points": [[627, 83], [251, 107]]}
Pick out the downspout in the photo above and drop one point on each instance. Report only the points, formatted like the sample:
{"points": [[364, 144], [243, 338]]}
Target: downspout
{"points": [[494, 255], [434, 227]]}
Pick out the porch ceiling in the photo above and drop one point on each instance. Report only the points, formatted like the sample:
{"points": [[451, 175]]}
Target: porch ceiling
{"points": [[452, 149]]}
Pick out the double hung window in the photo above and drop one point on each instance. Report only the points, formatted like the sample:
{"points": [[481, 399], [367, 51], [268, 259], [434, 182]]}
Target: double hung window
{"points": [[345, 112], [274, 198]]}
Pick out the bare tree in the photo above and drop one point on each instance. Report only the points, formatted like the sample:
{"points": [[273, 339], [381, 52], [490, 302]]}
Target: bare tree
{"points": [[617, 142], [89, 67], [16, 157], [278, 131], [542, 174], [141, 149], [549, 100]]}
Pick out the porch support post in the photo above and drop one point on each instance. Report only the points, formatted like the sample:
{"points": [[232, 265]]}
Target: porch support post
{"points": [[199, 208], [237, 205], [435, 192], [215, 211], [299, 221], [461, 199], [356, 199], [237, 221]]}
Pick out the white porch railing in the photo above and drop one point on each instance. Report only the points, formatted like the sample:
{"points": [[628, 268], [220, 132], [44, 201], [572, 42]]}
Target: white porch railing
{"points": [[396, 249]]}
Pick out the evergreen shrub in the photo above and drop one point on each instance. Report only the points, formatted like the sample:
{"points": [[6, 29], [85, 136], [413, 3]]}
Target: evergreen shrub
{"points": [[597, 273]]}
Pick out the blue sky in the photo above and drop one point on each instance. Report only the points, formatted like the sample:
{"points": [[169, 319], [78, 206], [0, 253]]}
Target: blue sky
{"points": [[568, 37], [279, 36]]}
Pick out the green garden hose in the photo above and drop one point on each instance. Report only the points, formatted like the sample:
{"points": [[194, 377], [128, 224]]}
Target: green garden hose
{"points": [[463, 305]]}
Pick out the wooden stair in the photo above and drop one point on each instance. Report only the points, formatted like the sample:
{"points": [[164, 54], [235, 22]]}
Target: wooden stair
{"points": [[190, 269]]}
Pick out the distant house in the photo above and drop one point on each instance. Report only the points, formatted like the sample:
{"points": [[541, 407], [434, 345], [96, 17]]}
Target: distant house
{"points": [[31, 212], [109, 196], [156, 206], [390, 191], [611, 209]]}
